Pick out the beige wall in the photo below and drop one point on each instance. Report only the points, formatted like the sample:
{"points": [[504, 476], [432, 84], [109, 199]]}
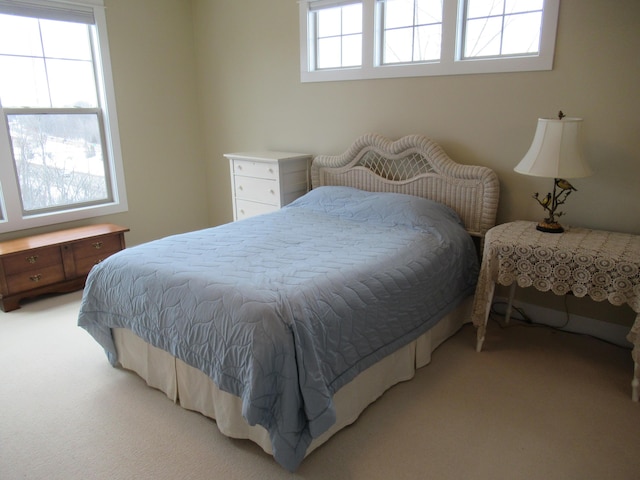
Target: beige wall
{"points": [[248, 55], [248, 61], [154, 69]]}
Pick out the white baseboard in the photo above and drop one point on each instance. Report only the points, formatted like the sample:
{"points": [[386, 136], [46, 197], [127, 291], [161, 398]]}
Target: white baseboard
{"points": [[609, 332]]}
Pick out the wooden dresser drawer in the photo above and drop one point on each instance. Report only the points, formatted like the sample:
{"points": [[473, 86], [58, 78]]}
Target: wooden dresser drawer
{"points": [[88, 253], [85, 264], [31, 260], [28, 280], [97, 247]]}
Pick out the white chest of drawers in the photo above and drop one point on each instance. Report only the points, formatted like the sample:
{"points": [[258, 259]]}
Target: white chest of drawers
{"points": [[262, 182]]}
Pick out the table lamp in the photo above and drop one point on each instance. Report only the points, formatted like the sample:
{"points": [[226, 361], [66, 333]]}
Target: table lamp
{"points": [[555, 152]]}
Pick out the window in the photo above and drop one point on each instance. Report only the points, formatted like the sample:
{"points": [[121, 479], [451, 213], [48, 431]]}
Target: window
{"points": [[59, 144], [338, 36], [401, 38], [411, 30], [495, 28]]}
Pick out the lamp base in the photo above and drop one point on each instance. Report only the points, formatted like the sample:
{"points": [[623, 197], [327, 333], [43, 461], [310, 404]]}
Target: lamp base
{"points": [[553, 227]]}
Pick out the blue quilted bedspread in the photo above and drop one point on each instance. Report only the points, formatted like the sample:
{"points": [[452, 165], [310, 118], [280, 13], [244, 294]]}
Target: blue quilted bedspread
{"points": [[285, 308]]}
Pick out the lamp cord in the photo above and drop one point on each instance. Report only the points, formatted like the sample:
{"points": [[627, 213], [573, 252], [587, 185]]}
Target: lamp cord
{"points": [[527, 322]]}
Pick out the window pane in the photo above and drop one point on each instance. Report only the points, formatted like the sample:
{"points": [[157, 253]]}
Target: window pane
{"points": [[352, 51], [329, 22], [515, 6], [65, 40], [352, 19], [398, 13], [26, 86], [58, 159], [483, 37], [329, 52], [398, 46], [427, 43], [19, 36], [428, 11], [522, 33], [72, 84], [484, 8]]}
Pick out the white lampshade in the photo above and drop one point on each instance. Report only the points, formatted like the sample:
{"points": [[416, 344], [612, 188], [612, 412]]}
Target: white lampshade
{"points": [[556, 150]]}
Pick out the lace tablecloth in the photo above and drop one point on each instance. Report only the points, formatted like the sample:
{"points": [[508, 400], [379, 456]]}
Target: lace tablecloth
{"points": [[603, 265]]}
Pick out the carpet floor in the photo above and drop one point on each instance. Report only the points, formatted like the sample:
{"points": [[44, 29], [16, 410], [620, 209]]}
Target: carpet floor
{"points": [[535, 404]]}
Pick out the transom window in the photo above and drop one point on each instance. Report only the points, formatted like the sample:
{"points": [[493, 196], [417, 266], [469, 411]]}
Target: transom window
{"points": [[58, 135], [495, 28], [339, 36], [411, 30], [399, 38]]}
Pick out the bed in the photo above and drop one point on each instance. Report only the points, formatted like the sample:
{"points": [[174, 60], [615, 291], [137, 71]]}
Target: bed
{"points": [[284, 327]]}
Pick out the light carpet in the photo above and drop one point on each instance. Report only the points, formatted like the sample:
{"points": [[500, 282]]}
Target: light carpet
{"points": [[535, 404]]}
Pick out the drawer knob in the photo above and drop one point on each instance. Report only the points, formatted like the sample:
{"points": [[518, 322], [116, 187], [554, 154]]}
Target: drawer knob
{"points": [[35, 278], [239, 167], [97, 245], [32, 258], [272, 191], [271, 170]]}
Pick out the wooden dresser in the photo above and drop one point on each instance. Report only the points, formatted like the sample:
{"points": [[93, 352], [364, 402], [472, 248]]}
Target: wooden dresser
{"points": [[56, 262]]}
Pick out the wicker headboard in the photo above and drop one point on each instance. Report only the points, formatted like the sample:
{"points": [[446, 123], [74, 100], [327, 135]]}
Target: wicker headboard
{"points": [[414, 165]]}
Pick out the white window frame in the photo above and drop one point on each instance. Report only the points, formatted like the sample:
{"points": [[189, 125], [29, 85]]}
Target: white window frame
{"points": [[451, 61], [13, 218]]}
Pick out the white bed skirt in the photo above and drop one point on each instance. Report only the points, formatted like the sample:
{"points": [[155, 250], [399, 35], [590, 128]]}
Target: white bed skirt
{"points": [[194, 390]]}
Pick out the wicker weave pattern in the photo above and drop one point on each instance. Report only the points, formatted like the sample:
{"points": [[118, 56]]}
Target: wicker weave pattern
{"points": [[414, 165], [404, 168]]}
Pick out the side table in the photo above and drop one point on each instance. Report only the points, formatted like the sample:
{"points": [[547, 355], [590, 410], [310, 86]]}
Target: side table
{"points": [[603, 265]]}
